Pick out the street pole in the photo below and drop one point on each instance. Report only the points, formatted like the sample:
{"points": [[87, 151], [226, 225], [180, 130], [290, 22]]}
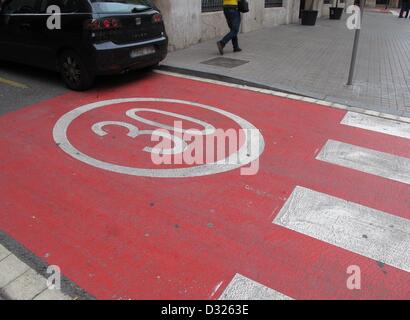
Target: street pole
{"points": [[355, 45]]}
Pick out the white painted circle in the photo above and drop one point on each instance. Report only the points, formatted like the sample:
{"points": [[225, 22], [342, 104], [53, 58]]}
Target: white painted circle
{"points": [[223, 165]]}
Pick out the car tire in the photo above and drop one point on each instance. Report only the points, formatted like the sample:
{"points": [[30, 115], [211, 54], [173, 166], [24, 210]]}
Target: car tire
{"points": [[74, 71]]}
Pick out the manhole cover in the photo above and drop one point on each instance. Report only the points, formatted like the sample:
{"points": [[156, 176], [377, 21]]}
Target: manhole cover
{"points": [[225, 62]]}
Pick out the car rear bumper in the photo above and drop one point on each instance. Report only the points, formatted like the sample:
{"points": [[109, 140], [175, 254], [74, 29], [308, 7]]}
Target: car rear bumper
{"points": [[112, 58]]}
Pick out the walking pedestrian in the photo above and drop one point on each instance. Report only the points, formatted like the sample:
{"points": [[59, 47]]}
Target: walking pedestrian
{"points": [[233, 18], [404, 8]]}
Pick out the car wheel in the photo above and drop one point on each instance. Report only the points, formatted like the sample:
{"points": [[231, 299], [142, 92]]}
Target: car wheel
{"points": [[74, 72]]}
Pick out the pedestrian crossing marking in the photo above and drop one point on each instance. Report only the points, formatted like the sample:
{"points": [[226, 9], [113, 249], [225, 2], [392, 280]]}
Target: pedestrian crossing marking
{"points": [[243, 288], [369, 232], [366, 160], [377, 124]]}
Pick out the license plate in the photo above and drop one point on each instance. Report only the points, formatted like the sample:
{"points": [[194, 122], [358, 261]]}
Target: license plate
{"points": [[142, 52]]}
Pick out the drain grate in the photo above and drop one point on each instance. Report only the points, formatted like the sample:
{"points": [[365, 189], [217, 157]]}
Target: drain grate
{"points": [[225, 62]]}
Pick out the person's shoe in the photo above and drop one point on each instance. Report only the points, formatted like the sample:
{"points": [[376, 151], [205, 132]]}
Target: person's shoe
{"points": [[237, 50], [220, 47]]}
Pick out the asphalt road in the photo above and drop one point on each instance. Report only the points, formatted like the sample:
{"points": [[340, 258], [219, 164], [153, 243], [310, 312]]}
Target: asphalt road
{"points": [[328, 192], [22, 85]]}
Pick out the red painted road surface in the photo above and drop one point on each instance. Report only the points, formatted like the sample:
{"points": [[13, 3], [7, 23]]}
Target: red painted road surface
{"points": [[122, 236]]}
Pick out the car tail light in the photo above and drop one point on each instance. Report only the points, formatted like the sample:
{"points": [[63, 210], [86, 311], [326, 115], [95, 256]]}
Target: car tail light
{"points": [[102, 24], [106, 24], [92, 24], [157, 18], [115, 23]]}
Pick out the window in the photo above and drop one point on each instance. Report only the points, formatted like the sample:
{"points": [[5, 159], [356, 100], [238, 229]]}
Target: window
{"points": [[273, 3], [326, 2], [18, 6], [121, 6], [66, 6], [212, 5]]}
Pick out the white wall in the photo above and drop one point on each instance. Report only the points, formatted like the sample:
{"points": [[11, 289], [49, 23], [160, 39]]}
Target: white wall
{"points": [[319, 7], [325, 10], [259, 17], [213, 25], [274, 16], [371, 3], [182, 21], [253, 20], [292, 9]]}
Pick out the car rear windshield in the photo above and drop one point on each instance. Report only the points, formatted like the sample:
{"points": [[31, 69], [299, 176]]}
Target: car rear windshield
{"points": [[121, 6]]}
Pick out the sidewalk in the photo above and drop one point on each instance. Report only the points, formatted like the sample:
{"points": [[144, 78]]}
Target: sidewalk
{"points": [[314, 61]]}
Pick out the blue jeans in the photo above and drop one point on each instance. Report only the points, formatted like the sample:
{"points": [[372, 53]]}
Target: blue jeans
{"points": [[233, 18]]}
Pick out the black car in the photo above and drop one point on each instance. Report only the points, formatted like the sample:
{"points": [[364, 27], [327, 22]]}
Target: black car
{"points": [[82, 38]]}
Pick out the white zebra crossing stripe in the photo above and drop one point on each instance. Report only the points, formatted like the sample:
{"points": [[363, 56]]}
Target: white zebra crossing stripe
{"points": [[353, 227], [243, 288], [377, 124], [367, 160]]}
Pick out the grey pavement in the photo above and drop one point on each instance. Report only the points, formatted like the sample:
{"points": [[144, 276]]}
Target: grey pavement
{"points": [[314, 61]]}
